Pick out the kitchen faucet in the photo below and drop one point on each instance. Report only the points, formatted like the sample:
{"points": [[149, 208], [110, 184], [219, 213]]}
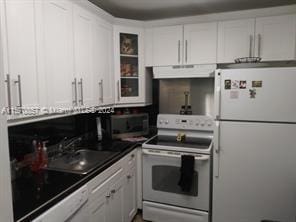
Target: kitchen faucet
{"points": [[68, 146]]}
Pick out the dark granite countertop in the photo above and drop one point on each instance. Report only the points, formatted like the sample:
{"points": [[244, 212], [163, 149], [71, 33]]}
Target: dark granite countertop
{"points": [[34, 193]]}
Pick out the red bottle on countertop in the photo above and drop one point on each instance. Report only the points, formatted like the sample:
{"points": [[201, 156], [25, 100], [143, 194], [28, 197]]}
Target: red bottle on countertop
{"points": [[38, 161]]}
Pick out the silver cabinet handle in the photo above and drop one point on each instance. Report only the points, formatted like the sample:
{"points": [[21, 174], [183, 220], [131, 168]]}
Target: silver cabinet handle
{"points": [[179, 50], [251, 44], [18, 81], [74, 83], [259, 45], [102, 91], [81, 91], [118, 91], [186, 50], [8, 93]]}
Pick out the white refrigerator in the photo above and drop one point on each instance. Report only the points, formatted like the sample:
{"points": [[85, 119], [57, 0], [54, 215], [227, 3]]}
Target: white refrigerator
{"points": [[254, 169]]}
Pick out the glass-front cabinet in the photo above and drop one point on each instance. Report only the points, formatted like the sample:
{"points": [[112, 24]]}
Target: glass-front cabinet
{"points": [[129, 67]]}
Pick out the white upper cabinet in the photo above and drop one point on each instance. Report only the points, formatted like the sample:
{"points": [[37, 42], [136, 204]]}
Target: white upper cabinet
{"points": [[275, 38], [200, 43], [103, 63], [271, 38], [83, 58], [129, 65], [181, 45], [235, 40], [58, 50], [167, 45], [19, 36]]}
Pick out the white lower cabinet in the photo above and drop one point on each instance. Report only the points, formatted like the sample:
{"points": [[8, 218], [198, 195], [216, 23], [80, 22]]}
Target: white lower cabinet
{"points": [[98, 210], [113, 193], [130, 195], [108, 206], [116, 202]]}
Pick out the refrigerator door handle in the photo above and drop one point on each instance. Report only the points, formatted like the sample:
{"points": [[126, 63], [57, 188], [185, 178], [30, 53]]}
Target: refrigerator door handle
{"points": [[217, 96], [217, 149]]}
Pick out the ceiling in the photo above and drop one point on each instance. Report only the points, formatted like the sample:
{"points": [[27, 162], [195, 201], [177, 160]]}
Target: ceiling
{"points": [[158, 9]]}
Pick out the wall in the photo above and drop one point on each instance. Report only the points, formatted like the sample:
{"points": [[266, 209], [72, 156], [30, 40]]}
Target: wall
{"points": [[253, 13]]}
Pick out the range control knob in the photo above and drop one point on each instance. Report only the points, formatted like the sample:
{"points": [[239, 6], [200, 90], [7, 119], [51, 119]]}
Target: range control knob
{"points": [[209, 123], [160, 121], [166, 122], [197, 122]]}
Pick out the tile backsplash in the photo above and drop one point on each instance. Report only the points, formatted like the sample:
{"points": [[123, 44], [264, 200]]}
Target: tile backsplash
{"points": [[53, 131]]}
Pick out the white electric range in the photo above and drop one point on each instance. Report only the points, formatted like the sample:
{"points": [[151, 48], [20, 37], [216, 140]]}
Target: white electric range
{"points": [[163, 198]]}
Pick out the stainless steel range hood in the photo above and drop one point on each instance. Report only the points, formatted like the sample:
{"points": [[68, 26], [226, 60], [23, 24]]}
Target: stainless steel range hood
{"points": [[184, 71]]}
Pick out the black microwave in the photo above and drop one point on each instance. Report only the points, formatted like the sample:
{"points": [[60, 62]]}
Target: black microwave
{"points": [[130, 125]]}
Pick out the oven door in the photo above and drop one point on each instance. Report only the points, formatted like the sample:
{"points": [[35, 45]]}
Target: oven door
{"points": [[161, 174]]}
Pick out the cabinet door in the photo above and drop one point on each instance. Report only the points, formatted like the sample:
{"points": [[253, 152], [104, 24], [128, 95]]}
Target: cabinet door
{"points": [[129, 65], [130, 195], [235, 40], [103, 63], [58, 39], [200, 43], [83, 23], [167, 45], [275, 37], [100, 196], [20, 51], [98, 209], [116, 202]]}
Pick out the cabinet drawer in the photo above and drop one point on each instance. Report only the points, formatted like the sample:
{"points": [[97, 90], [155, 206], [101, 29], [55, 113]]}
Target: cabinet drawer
{"points": [[130, 160]]}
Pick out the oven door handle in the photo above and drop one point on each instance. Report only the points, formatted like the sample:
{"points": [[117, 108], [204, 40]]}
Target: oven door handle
{"points": [[200, 157]]}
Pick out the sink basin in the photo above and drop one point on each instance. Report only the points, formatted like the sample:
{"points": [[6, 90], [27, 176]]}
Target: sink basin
{"points": [[80, 162]]}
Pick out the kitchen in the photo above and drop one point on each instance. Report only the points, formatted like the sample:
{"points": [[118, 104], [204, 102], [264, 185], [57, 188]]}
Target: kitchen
{"points": [[154, 111]]}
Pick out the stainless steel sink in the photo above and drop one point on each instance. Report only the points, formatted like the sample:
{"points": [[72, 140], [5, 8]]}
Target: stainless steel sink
{"points": [[80, 162]]}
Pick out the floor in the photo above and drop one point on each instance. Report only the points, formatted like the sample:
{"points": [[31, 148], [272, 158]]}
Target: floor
{"points": [[138, 218]]}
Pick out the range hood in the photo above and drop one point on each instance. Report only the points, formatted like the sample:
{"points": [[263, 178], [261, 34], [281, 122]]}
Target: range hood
{"points": [[184, 71]]}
